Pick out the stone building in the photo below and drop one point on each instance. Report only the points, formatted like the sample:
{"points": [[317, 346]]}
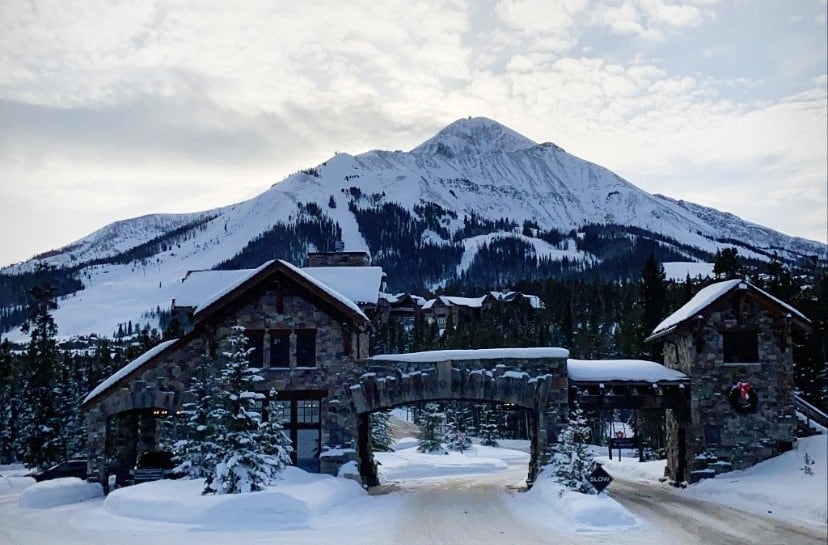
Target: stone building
{"points": [[734, 342], [305, 336]]}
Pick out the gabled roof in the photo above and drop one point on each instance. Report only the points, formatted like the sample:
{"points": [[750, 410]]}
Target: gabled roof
{"points": [[358, 284], [128, 369], [239, 285], [269, 269], [714, 292]]}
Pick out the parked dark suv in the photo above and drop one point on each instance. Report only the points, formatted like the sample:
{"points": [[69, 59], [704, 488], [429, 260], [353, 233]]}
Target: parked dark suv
{"points": [[75, 467], [154, 465]]}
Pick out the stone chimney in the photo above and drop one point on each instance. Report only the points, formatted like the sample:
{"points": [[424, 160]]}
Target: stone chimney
{"points": [[339, 259]]}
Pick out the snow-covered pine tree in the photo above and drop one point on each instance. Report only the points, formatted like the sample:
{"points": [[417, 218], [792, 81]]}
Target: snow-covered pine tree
{"points": [[457, 427], [195, 451], [10, 390], [489, 425], [431, 437], [249, 453], [41, 420], [381, 431], [573, 461]]}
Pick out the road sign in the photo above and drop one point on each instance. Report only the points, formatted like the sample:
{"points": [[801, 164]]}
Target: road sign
{"points": [[623, 442], [599, 478]]}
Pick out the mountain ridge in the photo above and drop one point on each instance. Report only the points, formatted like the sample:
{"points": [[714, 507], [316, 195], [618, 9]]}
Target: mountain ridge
{"points": [[421, 214]]}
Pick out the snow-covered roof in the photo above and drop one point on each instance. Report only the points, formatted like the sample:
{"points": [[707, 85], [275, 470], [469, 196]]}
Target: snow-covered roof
{"points": [[327, 289], [200, 289], [390, 297], [470, 302], [359, 284], [127, 369], [621, 370], [199, 286], [706, 297], [481, 354], [509, 296]]}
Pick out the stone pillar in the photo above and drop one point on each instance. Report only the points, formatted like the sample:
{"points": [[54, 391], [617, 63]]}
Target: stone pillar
{"points": [[679, 437], [96, 447], [367, 466]]}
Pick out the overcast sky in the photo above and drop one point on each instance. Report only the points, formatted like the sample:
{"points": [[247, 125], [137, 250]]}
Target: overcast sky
{"points": [[110, 110]]}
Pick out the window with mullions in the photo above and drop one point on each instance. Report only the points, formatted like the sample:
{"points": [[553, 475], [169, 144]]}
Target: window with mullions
{"points": [[307, 411], [280, 348], [306, 348], [740, 346]]}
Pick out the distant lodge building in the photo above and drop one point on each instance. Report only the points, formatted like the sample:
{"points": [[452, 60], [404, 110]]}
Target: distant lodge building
{"points": [[309, 328], [463, 310]]}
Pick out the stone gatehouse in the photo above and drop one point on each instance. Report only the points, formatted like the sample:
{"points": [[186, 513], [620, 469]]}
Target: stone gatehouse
{"points": [[310, 340], [734, 342], [311, 344]]}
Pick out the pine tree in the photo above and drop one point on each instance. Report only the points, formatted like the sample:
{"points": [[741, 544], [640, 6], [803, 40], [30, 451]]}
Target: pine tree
{"points": [[10, 394], [573, 461], [195, 451], [654, 296], [41, 420], [727, 264], [489, 425], [458, 427], [249, 452], [380, 431], [430, 422]]}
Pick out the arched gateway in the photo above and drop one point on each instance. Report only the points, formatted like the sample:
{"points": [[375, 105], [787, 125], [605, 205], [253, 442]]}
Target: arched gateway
{"points": [[533, 379], [311, 343]]}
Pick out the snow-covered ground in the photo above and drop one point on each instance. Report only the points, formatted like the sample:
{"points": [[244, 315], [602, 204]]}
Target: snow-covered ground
{"points": [[310, 508]]}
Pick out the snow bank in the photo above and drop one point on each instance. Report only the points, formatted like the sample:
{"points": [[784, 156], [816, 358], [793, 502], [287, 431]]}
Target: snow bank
{"points": [[14, 484], [59, 492], [551, 505], [777, 486], [292, 503]]}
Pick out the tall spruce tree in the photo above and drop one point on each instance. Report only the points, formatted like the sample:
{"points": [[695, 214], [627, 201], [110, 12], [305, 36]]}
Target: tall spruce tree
{"points": [[573, 462], [430, 423], [654, 298], [249, 452], [458, 427], [489, 425], [195, 451], [41, 419], [10, 399]]}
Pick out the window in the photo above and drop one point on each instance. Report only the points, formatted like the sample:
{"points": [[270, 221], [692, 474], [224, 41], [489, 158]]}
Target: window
{"points": [[280, 348], [307, 411], [740, 346], [255, 340], [306, 348]]}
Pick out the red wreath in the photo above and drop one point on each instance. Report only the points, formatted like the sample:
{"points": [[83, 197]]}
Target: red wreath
{"points": [[743, 397]]}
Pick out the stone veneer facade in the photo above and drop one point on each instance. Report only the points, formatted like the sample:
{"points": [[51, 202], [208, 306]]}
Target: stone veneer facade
{"points": [[712, 425], [159, 385]]}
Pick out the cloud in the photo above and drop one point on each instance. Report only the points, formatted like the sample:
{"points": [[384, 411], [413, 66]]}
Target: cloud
{"points": [[650, 20], [215, 102]]}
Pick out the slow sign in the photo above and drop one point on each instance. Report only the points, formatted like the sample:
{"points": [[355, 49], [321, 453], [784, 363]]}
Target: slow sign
{"points": [[599, 478]]}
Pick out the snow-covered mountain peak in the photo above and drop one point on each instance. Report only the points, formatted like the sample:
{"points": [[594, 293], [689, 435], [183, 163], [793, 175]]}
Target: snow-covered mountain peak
{"points": [[473, 136]]}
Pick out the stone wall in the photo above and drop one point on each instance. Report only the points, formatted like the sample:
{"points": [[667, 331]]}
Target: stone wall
{"points": [[713, 426]]}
